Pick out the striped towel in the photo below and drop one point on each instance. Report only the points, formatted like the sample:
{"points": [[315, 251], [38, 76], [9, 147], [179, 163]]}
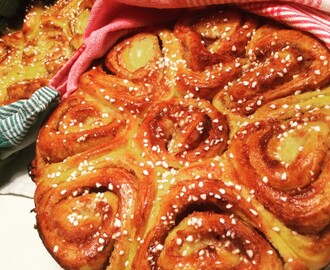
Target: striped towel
{"points": [[16, 119]]}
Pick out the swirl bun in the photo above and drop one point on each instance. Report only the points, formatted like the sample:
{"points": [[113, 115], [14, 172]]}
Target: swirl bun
{"points": [[276, 71], [288, 166], [182, 131], [204, 145]]}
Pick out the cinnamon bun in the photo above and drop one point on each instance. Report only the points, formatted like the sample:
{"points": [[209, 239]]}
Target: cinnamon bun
{"points": [[204, 145]]}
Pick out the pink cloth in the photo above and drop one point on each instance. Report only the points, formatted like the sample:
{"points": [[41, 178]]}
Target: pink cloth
{"points": [[110, 20]]}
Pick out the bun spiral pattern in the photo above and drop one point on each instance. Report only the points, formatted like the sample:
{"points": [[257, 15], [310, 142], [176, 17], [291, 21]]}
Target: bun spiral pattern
{"points": [[155, 162], [201, 222], [79, 124], [132, 75], [278, 65], [287, 156], [182, 131], [97, 208]]}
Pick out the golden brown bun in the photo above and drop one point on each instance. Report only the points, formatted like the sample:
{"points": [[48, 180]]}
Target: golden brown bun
{"points": [[202, 146], [31, 56]]}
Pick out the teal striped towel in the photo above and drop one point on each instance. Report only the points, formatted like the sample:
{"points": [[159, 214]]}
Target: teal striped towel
{"points": [[20, 121]]}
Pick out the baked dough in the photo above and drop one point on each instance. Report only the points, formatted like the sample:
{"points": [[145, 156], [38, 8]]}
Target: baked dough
{"points": [[202, 146]]}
